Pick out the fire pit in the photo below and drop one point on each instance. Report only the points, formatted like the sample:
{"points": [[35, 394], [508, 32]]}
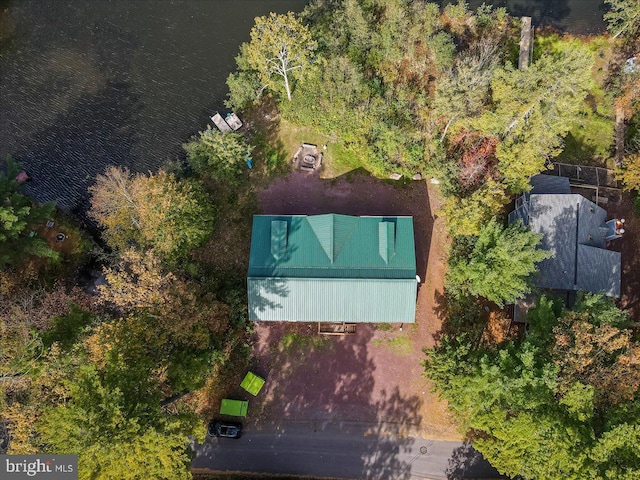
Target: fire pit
{"points": [[308, 157]]}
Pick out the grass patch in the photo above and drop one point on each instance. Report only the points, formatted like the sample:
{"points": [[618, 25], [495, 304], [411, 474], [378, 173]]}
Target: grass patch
{"points": [[398, 345], [591, 137], [337, 159], [384, 327], [589, 141], [294, 341]]}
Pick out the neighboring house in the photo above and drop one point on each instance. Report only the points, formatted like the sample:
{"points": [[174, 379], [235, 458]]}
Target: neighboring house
{"points": [[332, 268], [576, 231]]}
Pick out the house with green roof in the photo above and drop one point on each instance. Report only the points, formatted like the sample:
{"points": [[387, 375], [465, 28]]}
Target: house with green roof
{"points": [[332, 268]]}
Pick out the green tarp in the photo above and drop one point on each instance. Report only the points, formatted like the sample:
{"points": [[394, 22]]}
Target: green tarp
{"points": [[236, 408], [252, 383]]}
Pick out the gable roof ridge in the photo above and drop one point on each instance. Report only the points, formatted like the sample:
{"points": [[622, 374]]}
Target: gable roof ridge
{"points": [[342, 235], [322, 227]]}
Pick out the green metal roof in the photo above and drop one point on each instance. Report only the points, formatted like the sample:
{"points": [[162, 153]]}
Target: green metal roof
{"points": [[332, 268]]}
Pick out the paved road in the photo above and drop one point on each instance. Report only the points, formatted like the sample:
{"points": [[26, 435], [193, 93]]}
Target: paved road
{"points": [[352, 451]]}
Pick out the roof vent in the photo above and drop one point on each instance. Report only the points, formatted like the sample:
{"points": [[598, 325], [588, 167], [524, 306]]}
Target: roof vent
{"points": [[278, 238], [386, 240]]}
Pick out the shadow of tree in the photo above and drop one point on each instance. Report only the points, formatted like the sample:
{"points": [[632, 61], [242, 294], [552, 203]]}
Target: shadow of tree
{"points": [[464, 314], [262, 124], [575, 16], [552, 13], [328, 382], [266, 288], [89, 106], [628, 246], [465, 460], [391, 437], [315, 377]]}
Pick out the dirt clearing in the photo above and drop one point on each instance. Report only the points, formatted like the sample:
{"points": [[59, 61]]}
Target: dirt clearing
{"points": [[374, 375]]}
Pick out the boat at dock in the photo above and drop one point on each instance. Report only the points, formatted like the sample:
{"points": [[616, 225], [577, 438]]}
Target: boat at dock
{"points": [[233, 121], [227, 124], [220, 123]]}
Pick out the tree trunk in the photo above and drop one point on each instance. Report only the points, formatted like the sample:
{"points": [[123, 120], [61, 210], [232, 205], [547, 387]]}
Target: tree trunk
{"points": [[286, 85]]}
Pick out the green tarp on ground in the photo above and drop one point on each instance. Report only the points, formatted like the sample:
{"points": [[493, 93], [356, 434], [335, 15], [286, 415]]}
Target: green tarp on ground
{"points": [[252, 383], [236, 408]]}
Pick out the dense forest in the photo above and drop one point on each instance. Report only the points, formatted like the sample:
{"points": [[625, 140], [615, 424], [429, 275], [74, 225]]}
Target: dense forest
{"points": [[117, 373]]}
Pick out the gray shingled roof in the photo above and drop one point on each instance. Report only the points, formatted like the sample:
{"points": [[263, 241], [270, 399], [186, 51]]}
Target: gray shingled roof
{"points": [[573, 229], [598, 270], [549, 184]]}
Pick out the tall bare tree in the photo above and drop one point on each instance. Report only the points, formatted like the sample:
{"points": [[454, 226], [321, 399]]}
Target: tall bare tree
{"points": [[280, 46]]}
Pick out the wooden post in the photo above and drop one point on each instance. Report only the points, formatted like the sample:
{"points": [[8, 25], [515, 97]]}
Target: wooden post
{"points": [[620, 132]]}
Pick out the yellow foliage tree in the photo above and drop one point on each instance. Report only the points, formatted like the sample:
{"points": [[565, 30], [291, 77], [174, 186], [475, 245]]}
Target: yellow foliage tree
{"points": [[466, 216], [629, 172], [173, 216], [280, 46], [184, 314]]}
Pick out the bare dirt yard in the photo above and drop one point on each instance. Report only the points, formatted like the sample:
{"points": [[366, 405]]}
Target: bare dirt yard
{"points": [[374, 375]]}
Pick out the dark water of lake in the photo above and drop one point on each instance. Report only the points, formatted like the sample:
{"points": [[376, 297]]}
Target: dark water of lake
{"points": [[582, 17], [87, 83]]}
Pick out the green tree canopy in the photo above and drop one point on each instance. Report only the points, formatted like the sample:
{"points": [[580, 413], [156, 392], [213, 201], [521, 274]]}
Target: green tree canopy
{"points": [[467, 215], [623, 17], [542, 406], [281, 48], [497, 264], [464, 91], [219, 155], [113, 442], [533, 111], [17, 213]]}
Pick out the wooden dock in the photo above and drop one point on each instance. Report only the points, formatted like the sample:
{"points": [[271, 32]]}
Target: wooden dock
{"points": [[621, 129], [228, 124], [526, 43]]}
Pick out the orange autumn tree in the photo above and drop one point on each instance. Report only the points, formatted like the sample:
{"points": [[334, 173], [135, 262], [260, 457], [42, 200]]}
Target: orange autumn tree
{"points": [[629, 172], [477, 160], [603, 356], [183, 312]]}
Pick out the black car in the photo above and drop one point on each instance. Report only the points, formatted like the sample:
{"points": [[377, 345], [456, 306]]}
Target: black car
{"points": [[224, 429]]}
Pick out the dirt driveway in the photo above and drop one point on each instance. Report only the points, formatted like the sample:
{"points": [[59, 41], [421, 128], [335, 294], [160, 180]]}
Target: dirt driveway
{"points": [[376, 374], [629, 247]]}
